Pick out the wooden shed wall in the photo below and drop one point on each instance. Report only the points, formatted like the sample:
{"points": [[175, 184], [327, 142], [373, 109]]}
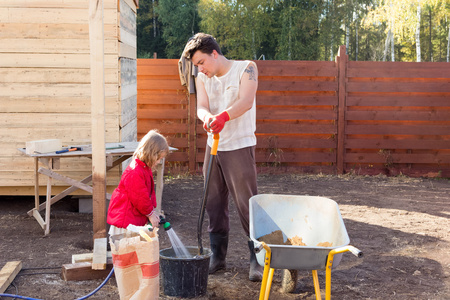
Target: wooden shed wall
{"points": [[45, 82]]}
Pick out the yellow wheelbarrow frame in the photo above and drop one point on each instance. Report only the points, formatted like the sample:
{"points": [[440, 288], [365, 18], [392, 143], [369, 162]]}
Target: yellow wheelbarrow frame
{"points": [[268, 271]]}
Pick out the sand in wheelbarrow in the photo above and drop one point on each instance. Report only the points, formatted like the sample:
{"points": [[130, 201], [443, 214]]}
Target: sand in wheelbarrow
{"points": [[276, 238]]}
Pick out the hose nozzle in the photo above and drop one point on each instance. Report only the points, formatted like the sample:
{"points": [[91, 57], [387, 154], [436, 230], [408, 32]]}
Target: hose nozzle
{"points": [[166, 225]]}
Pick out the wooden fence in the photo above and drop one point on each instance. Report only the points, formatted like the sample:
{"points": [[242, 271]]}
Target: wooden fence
{"points": [[317, 116]]}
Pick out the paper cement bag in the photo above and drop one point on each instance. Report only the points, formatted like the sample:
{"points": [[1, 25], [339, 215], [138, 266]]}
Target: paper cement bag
{"points": [[136, 265]]}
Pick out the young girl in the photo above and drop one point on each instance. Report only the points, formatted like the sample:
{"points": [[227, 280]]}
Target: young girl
{"points": [[134, 201]]}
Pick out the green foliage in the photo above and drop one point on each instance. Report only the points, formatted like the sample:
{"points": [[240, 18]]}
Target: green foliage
{"points": [[402, 18], [296, 29], [180, 21], [240, 27], [299, 38], [149, 38]]}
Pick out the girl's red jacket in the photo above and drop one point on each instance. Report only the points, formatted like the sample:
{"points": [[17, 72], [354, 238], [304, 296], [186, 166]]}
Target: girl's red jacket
{"points": [[134, 198]]}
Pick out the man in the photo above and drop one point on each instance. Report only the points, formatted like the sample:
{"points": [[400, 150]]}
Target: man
{"points": [[226, 91]]}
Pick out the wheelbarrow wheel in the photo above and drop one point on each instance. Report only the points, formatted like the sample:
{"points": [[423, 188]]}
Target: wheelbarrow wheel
{"points": [[289, 281]]}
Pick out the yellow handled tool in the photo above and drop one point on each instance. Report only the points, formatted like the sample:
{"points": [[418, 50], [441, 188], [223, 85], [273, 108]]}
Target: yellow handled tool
{"points": [[213, 154]]}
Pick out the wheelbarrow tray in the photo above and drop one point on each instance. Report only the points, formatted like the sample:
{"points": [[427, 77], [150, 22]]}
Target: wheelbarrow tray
{"points": [[314, 219]]}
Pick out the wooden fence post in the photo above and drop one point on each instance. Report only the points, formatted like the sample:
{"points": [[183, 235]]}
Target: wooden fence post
{"points": [[192, 119], [98, 117], [341, 61]]}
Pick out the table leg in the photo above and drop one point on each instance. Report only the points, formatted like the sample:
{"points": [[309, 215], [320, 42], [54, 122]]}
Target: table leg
{"points": [[48, 200], [47, 206], [36, 183], [35, 211]]}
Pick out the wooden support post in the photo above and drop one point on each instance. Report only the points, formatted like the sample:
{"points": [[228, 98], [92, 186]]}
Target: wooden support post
{"points": [[87, 257], [159, 183], [47, 206], [38, 217], [341, 61], [36, 184], [99, 257], [192, 119], [84, 271], [96, 41], [8, 273]]}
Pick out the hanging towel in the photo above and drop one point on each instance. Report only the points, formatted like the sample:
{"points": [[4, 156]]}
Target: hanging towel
{"points": [[188, 72]]}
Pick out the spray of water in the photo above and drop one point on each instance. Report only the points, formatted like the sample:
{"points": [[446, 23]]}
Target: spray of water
{"points": [[177, 245]]}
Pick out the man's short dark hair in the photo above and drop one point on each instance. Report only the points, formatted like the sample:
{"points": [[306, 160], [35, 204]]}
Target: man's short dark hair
{"points": [[203, 42]]}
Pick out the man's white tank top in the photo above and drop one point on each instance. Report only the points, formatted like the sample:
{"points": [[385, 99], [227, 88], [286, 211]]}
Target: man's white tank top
{"points": [[222, 92]]}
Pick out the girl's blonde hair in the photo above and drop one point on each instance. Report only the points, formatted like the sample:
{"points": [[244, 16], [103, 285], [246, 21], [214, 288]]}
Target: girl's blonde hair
{"points": [[152, 147]]}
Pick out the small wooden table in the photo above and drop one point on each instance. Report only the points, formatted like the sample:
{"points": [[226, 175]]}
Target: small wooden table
{"points": [[116, 153]]}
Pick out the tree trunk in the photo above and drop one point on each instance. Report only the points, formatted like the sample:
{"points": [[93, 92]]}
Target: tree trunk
{"points": [[154, 18], [331, 16], [386, 45], [418, 53], [347, 38], [356, 42], [331, 48], [253, 44], [392, 33], [448, 45], [392, 44], [431, 43], [290, 28]]}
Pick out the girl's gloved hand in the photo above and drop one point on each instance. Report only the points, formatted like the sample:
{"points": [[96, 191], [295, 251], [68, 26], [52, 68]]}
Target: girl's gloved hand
{"points": [[154, 219]]}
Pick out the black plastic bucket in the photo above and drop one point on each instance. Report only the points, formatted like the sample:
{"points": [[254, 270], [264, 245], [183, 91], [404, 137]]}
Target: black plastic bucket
{"points": [[184, 277]]}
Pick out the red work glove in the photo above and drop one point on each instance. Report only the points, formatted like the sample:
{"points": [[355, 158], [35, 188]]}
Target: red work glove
{"points": [[219, 122], [206, 121]]}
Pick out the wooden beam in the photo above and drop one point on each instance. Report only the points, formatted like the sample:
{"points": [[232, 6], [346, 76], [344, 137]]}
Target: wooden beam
{"points": [[66, 179], [35, 213], [96, 39], [99, 256], [127, 51], [87, 257], [192, 121], [341, 60], [8, 273], [61, 195], [131, 4], [159, 182], [47, 205], [68, 191], [84, 271]]}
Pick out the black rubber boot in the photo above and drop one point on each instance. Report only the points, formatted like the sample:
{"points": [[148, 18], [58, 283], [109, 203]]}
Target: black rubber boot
{"points": [[219, 246], [256, 271]]}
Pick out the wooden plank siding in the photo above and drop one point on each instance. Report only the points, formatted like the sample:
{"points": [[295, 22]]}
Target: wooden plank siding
{"points": [[296, 115], [45, 82], [164, 105], [398, 118], [330, 117]]}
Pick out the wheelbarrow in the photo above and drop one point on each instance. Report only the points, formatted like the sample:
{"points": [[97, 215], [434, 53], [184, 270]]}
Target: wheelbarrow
{"points": [[317, 221]]}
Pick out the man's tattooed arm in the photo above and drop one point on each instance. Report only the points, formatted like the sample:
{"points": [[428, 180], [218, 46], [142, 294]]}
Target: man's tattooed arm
{"points": [[251, 73]]}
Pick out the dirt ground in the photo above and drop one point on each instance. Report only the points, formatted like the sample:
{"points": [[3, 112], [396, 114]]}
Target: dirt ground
{"points": [[401, 224]]}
